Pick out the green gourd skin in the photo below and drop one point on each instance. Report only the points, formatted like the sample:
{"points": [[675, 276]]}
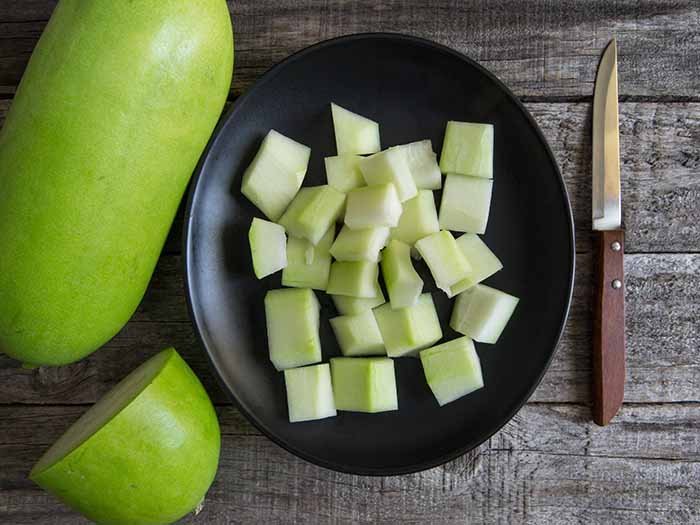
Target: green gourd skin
{"points": [[152, 463], [116, 105]]}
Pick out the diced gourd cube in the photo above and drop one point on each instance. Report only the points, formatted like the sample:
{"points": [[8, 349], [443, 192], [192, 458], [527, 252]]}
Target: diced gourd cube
{"points": [[309, 393], [268, 247], [465, 204], [353, 278], [308, 266], [422, 162], [354, 133], [364, 384], [482, 312], [418, 219], [358, 334], [405, 331], [347, 305], [292, 317], [390, 167], [359, 245], [372, 207], [447, 263], [483, 261], [312, 212], [343, 172], [276, 173], [452, 369], [468, 149], [402, 282]]}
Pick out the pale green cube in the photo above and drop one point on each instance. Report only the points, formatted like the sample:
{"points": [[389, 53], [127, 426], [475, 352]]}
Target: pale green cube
{"points": [[406, 331], [309, 393], [423, 165], [468, 149], [308, 266], [353, 278], [267, 247], [354, 134], [482, 312], [452, 369], [359, 245], [358, 334], [418, 219], [483, 261], [402, 281], [364, 384], [390, 167], [373, 207], [312, 212], [276, 173], [292, 317], [465, 204], [447, 263], [343, 172], [347, 305]]}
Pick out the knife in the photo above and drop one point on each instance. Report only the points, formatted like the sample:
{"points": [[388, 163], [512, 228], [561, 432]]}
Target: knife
{"points": [[609, 246]]}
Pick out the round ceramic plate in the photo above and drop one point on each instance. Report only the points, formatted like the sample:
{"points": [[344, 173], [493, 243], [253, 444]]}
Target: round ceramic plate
{"points": [[412, 87]]}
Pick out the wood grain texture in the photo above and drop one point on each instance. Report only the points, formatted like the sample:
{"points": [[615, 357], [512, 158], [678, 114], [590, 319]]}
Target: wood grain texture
{"points": [[660, 155], [608, 325], [539, 48], [663, 300], [547, 464]]}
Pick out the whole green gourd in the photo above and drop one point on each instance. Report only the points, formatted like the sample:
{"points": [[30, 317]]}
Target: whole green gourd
{"points": [[114, 110]]}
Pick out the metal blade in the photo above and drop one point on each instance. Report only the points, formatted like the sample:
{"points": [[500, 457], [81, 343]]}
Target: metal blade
{"points": [[607, 208]]}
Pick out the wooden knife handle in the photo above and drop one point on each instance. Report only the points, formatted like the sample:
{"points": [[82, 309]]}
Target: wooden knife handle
{"points": [[609, 326]]}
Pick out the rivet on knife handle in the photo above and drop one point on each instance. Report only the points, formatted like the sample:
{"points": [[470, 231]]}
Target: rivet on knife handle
{"points": [[608, 326]]}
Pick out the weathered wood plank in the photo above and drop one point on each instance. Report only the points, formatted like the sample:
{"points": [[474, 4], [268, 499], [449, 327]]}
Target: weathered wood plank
{"points": [[549, 462], [538, 48], [660, 161], [663, 305], [660, 148]]}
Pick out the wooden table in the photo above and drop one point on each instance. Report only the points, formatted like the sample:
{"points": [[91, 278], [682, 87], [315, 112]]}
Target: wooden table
{"points": [[550, 464]]}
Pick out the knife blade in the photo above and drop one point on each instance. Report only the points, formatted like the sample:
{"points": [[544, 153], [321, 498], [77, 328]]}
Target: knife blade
{"points": [[609, 305]]}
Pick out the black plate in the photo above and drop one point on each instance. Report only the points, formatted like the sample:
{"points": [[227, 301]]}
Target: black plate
{"points": [[411, 87]]}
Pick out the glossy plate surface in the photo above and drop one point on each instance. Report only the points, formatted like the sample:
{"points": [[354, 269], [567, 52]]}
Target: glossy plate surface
{"points": [[412, 87]]}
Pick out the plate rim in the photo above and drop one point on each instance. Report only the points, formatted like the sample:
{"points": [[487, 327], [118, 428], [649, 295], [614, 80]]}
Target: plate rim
{"points": [[201, 167]]}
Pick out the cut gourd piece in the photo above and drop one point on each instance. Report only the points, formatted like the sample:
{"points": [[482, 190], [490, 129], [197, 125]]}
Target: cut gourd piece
{"points": [[452, 369], [343, 172], [359, 245], [465, 204], [418, 219], [483, 261], [347, 305], [390, 167], [402, 282], [300, 273], [354, 133], [353, 278], [268, 247], [312, 212], [468, 149], [447, 263], [372, 207], [423, 165], [482, 312], [364, 384], [309, 393], [358, 334], [405, 331], [276, 173], [322, 248], [292, 318]]}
